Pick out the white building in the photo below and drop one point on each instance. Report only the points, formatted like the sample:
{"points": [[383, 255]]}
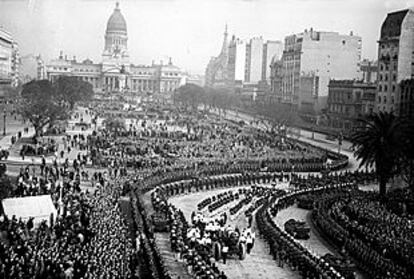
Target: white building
{"points": [[310, 59], [9, 59], [237, 60], [249, 63], [6, 50], [254, 59], [116, 73]]}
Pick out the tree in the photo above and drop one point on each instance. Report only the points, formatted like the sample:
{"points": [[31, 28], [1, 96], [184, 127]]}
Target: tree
{"points": [[378, 143], [190, 95], [407, 160], [221, 98], [6, 186], [73, 90], [41, 104], [11, 94]]}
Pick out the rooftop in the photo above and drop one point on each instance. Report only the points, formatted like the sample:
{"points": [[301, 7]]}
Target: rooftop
{"points": [[392, 24], [350, 83]]}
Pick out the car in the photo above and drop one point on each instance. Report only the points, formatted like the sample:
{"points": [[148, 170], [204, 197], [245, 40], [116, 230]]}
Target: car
{"points": [[236, 248]]}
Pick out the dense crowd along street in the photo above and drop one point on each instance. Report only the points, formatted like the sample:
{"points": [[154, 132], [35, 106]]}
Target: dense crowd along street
{"points": [[116, 189], [276, 150]]}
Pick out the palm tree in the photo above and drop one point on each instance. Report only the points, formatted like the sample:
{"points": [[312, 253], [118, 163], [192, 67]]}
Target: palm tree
{"points": [[407, 160], [377, 143]]}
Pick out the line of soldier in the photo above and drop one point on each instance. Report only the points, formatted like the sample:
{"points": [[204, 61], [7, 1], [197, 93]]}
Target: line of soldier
{"points": [[284, 248], [340, 229]]}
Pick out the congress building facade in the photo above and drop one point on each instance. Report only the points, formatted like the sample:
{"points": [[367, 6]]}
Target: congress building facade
{"points": [[116, 73]]}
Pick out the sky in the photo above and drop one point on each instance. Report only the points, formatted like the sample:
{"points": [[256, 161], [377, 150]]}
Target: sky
{"points": [[189, 31]]}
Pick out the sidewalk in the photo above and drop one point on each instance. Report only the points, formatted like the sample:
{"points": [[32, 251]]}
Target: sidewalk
{"points": [[306, 136], [13, 159], [5, 142]]}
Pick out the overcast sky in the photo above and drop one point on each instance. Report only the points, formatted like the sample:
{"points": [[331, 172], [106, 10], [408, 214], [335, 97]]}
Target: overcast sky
{"points": [[190, 31]]}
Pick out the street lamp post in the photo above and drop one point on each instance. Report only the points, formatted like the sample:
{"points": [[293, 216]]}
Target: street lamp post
{"points": [[340, 138], [4, 122], [313, 132]]}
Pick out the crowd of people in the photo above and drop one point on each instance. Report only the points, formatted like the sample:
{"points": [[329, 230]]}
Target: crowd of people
{"points": [[179, 154], [380, 240], [207, 142], [87, 238], [283, 247]]}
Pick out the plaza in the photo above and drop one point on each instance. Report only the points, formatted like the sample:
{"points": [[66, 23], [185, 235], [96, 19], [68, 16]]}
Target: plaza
{"points": [[288, 159]]}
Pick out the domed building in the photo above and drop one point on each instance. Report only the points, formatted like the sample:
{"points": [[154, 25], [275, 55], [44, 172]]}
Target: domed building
{"points": [[116, 73], [116, 38]]}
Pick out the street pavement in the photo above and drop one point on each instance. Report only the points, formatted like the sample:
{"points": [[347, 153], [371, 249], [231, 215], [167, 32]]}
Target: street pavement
{"points": [[314, 138], [162, 240], [315, 243], [259, 264]]}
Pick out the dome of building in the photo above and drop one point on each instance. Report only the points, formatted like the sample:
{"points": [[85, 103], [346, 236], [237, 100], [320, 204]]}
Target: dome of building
{"points": [[116, 22]]}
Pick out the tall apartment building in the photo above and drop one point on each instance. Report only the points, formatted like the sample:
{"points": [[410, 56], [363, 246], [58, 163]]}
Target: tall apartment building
{"points": [[254, 56], [249, 63], [15, 65], [237, 60], [259, 56], [395, 60], [310, 59], [406, 105], [6, 54], [9, 60], [276, 73]]}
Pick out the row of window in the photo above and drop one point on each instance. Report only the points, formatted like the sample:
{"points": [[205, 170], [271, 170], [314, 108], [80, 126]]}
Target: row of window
{"points": [[385, 99], [386, 66], [118, 42], [384, 88], [407, 96], [92, 70], [407, 109], [388, 45], [170, 74], [340, 109], [60, 68], [385, 77], [76, 70], [85, 70], [384, 108], [164, 74]]}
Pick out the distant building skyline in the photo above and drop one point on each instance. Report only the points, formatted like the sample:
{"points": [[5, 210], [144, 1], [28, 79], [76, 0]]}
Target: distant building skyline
{"points": [[310, 59], [184, 29]]}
